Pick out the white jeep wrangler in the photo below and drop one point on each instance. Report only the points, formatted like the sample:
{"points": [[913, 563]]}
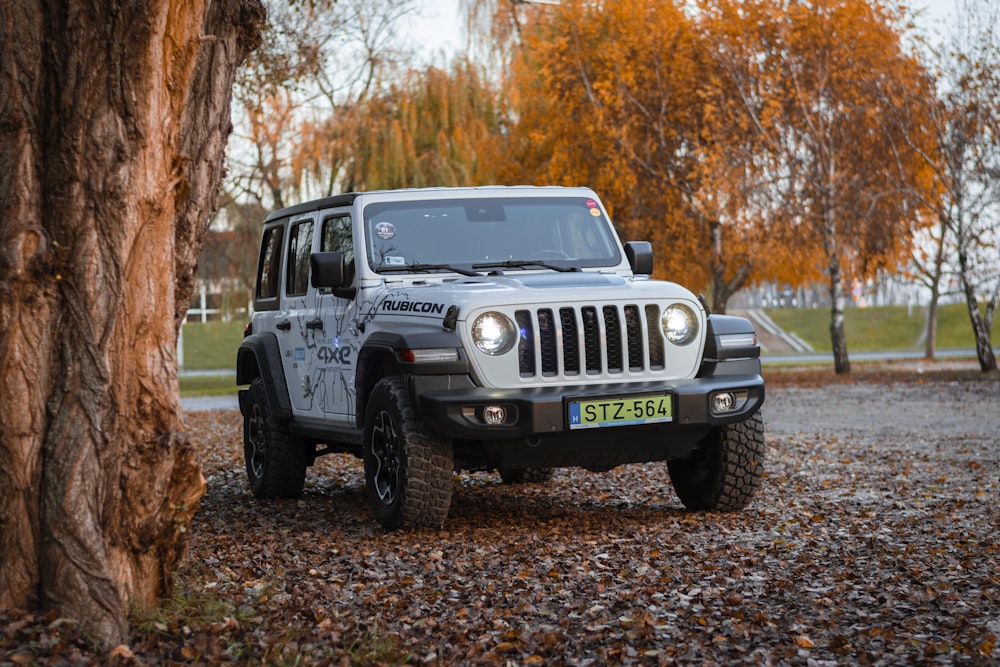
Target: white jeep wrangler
{"points": [[496, 328]]}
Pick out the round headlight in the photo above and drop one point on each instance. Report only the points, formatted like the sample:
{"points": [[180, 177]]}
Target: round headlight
{"points": [[493, 333], [679, 324]]}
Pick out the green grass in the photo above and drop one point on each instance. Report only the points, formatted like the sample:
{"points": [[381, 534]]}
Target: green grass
{"points": [[208, 385], [884, 328], [211, 345]]}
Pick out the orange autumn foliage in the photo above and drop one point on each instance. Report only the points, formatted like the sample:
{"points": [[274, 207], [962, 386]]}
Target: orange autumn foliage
{"points": [[716, 133], [608, 99]]}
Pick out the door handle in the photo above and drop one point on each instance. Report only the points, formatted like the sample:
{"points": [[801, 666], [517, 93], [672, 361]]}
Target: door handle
{"points": [[315, 324], [284, 325]]}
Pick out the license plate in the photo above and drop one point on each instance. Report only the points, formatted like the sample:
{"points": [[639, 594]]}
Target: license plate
{"points": [[626, 411]]}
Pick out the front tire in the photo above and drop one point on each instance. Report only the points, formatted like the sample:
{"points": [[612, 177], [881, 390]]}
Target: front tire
{"points": [[726, 469], [408, 469], [276, 461]]}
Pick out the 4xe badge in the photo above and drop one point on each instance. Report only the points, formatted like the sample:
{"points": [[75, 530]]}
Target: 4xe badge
{"points": [[334, 355]]}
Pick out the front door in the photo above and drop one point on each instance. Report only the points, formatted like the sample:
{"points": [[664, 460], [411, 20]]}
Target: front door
{"points": [[338, 347]]}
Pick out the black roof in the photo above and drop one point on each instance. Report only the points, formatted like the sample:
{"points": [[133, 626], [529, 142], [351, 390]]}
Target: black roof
{"points": [[315, 205], [348, 198]]}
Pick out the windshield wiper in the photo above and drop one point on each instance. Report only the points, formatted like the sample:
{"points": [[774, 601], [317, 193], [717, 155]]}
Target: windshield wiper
{"points": [[428, 267], [522, 263]]}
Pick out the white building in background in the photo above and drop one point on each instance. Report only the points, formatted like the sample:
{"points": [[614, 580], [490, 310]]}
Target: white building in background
{"points": [[888, 290]]}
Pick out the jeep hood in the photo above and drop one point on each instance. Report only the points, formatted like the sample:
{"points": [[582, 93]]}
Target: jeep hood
{"points": [[528, 289]]}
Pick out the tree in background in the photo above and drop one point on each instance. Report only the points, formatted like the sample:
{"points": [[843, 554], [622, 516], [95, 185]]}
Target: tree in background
{"points": [[964, 194], [296, 102], [113, 123], [228, 262], [744, 137], [742, 165], [296, 98], [613, 96], [434, 128], [841, 68], [765, 140], [930, 251]]}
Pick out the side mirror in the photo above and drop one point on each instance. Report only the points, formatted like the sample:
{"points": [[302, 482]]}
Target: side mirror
{"points": [[328, 271], [640, 257]]}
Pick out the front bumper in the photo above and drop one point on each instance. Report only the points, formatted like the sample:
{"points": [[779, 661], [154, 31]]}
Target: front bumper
{"points": [[539, 411]]}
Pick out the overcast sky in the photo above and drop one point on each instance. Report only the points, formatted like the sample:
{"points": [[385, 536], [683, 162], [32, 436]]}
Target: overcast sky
{"points": [[438, 26]]}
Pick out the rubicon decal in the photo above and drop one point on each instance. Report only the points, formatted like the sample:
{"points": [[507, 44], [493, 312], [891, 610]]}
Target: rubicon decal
{"points": [[413, 306]]}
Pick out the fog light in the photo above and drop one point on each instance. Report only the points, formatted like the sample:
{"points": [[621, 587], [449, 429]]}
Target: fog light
{"points": [[723, 401], [494, 415]]}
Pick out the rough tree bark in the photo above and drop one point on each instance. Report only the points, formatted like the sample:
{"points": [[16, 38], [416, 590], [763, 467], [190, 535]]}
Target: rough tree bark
{"points": [[113, 124]]}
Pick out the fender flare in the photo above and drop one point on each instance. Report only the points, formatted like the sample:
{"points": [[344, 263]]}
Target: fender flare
{"points": [[379, 356], [719, 325], [259, 356]]}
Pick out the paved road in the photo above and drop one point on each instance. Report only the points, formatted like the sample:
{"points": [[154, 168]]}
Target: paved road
{"points": [[195, 403], [961, 358], [885, 355]]}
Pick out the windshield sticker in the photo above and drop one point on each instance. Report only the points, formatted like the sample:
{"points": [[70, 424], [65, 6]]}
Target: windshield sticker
{"points": [[385, 230], [591, 203], [595, 212], [395, 261]]}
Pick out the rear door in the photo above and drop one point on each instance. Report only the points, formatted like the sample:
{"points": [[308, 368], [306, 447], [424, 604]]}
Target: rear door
{"points": [[296, 322]]}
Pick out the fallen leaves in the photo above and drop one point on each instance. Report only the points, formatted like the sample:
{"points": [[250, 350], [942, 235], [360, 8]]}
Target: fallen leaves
{"points": [[866, 545]]}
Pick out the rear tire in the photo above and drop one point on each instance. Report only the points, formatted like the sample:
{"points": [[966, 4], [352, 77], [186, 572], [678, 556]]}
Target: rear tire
{"points": [[726, 469], [526, 475], [408, 468], [276, 461]]}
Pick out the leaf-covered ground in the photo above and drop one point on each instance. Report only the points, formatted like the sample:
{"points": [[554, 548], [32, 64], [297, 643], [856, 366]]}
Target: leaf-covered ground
{"points": [[875, 540]]}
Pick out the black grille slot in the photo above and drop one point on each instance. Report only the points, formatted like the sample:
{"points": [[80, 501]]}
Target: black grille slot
{"points": [[526, 343], [655, 338], [633, 333], [613, 328], [591, 339], [547, 339], [595, 340], [571, 341]]}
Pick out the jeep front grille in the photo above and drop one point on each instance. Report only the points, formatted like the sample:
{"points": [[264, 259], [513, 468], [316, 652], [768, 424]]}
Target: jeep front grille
{"points": [[589, 340]]}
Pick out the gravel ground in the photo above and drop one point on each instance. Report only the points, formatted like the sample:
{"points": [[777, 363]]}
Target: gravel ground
{"points": [[869, 412]]}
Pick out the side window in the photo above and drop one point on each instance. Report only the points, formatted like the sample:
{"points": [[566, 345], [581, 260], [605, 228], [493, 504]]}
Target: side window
{"points": [[338, 236], [299, 249], [269, 269]]}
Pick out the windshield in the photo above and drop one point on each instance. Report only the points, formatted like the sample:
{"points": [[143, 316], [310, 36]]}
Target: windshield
{"points": [[489, 234]]}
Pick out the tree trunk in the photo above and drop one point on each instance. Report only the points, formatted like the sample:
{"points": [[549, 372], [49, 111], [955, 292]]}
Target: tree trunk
{"points": [[984, 347], [723, 289], [838, 339], [930, 340], [113, 123]]}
